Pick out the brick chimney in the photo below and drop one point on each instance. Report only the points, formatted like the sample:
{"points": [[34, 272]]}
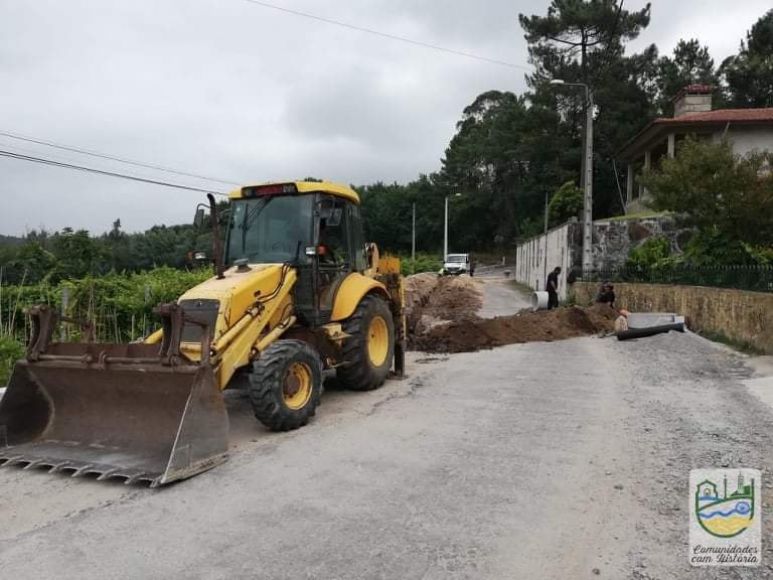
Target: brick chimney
{"points": [[692, 99]]}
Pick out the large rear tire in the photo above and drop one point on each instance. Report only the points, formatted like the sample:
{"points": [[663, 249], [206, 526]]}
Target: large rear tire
{"points": [[369, 349], [285, 385]]}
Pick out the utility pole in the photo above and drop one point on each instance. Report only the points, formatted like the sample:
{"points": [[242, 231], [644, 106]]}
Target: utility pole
{"points": [[445, 233], [413, 233], [587, 173], [587, 206], [445, 227], [545, 257]]}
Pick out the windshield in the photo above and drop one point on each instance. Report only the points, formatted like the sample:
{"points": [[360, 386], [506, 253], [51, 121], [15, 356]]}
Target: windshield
{"points": [[456, 258], [270, 229]]}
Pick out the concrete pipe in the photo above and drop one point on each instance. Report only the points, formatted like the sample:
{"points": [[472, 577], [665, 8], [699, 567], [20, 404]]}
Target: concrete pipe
{"points": [[539, 301]]}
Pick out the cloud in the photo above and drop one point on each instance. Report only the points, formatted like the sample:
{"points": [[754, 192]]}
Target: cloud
{"points": [[230, 89]]}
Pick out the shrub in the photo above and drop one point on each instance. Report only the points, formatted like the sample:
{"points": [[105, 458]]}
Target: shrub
{"points": [[11, 350], [422, 263]]}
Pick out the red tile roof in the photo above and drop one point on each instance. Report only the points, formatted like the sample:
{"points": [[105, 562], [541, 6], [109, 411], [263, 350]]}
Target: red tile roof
{"points": [[698, 88], [722, 116], [693, 90], [718, 117]]}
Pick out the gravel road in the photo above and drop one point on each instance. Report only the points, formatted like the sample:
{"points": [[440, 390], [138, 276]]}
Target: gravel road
{"points": [[545, 460]]}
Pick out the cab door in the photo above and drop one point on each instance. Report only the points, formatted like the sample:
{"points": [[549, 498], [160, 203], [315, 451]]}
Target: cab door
{"points": [[334, 257]]}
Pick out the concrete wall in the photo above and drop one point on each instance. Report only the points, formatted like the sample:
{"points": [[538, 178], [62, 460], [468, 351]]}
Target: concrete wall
{"points": [[746, 317], [539, 256]]}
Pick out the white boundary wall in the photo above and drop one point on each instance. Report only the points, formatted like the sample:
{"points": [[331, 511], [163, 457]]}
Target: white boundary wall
{"points": [[531, 267]]}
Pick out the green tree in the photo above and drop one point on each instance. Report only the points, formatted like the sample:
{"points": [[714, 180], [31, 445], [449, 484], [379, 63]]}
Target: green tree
{"points": [[566, 203], [573, 29], [727, 197], [77, 254], [584, 41], [31, 264], [749, 74], [691, 63]]}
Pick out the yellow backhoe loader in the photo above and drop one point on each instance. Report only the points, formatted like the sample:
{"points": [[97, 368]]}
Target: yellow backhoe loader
{"points": [[296, 291]]}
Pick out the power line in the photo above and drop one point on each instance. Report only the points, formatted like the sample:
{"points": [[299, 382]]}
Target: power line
{"points": [[112, 157], [54, 163], [387, 35]]}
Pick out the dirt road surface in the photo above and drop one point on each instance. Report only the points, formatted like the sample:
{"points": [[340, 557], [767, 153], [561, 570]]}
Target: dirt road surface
{"points": [[554, 460], [500, 298]]}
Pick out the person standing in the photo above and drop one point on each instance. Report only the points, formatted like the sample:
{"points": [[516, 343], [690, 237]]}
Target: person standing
{"points": [[551, 287]]}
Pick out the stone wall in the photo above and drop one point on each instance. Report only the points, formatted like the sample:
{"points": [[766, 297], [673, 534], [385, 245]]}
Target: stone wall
{"points": [[614, 239], [744, 317]]}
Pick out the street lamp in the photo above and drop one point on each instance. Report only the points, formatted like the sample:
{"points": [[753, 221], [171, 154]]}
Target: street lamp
{"points": [[445, 227], [587, 207]]}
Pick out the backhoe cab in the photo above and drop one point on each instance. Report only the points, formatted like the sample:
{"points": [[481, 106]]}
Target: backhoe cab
{"points": [[296, 291]]}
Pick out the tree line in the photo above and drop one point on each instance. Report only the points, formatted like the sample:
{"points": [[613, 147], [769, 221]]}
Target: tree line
{"points": [[510, 151]]}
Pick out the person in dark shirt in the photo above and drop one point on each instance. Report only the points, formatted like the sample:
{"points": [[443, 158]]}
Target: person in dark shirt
{"points": [[551, 287], [606, 294]]}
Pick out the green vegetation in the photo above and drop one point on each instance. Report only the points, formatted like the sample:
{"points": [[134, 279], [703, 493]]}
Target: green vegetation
{"points": [[749, 74], [566, 203], [11, 350], [119, 306], [422, 263], [726, 197], [69, 254], [653, 252]]}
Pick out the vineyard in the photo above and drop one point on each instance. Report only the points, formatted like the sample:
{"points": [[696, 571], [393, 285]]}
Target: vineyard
{"points": [[119, 307]]}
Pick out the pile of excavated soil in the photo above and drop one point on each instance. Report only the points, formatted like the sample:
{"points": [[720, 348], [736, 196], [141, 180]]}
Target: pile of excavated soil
{"points": [[546, 325], [432, 300]]}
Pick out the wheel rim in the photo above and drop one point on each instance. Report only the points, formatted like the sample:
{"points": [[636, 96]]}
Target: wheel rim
{"points": [[296, 387], [378, 341]]}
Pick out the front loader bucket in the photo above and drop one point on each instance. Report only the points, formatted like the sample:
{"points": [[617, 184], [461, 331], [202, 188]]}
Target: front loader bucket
{"points": [[113, 411]]}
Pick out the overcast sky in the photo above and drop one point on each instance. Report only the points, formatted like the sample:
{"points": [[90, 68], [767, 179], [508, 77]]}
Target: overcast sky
{"points": [[233, 90]]}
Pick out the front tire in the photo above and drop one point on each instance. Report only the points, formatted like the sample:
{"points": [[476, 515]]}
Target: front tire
{"points": [[369, 349], [285, 385]]}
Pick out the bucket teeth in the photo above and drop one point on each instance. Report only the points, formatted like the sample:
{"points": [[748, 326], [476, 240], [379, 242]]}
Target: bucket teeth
{"points": [[81, 470], [135, 478], [60, 466], [106, 474]]}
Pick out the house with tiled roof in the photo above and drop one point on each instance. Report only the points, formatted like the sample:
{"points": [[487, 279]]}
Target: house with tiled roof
{"points": [[745, 129]]}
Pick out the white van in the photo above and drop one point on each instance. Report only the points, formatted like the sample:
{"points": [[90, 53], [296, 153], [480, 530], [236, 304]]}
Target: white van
{"points": [[456, 264]]}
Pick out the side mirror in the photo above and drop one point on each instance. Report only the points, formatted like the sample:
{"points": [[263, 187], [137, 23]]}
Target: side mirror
{"points": [[199, 218]]}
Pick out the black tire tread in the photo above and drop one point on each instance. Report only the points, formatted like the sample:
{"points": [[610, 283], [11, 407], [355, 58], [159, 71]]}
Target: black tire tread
{"points": [[264, 385], [356, 373]]}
